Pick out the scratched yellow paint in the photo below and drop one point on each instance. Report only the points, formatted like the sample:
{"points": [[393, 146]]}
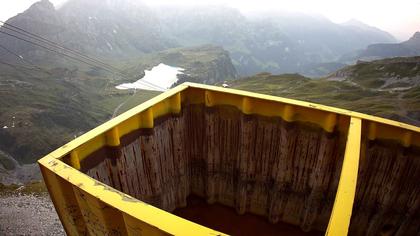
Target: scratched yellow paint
{"points": [[93, 197], [71, 189]]}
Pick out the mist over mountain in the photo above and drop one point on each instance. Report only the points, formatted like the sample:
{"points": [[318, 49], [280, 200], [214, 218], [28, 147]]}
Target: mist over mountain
{"points": [[276, 42]]}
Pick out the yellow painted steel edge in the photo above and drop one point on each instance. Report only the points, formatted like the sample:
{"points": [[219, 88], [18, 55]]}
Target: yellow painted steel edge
{"points": [[108, 133], [305, 104], [249, 105], [346, 191], [163, 221], [92, 138]]}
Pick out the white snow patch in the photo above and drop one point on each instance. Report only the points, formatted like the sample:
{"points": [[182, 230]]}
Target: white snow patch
{"points": [[5, 127], [159, 78]]}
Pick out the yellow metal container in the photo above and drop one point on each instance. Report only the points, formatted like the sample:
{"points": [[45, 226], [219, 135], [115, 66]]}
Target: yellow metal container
{"points": [[302, 163]]}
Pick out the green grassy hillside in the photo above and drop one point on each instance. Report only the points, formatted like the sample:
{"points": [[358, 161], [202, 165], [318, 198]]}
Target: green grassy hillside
{"points": [[42, 109], [388, 88]]}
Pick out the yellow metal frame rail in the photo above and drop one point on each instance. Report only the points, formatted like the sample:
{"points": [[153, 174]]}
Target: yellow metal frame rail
{"points": [[343, 205], [86, 205]]}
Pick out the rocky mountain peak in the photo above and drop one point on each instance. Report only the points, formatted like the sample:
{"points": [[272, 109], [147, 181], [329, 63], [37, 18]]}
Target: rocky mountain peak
{"points": [[43, 5], [43, 10], [416, 36], [355, 22], [414, 41]]}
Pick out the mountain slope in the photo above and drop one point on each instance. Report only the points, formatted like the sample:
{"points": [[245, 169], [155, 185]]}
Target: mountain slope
{"points": [[103, 29], [41, 112], [408, 48], [276, 42], [372, 33], [389, 88], [42, 109]]}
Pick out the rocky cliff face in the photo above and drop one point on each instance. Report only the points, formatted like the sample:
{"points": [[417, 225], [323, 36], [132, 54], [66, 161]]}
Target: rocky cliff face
{"points": [[413, 42], [217, 68], [41, 19], [106, 29], [206, 64]]}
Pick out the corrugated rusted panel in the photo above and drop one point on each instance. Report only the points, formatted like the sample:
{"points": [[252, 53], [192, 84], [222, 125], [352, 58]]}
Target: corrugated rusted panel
{"points": [[264, 165]]}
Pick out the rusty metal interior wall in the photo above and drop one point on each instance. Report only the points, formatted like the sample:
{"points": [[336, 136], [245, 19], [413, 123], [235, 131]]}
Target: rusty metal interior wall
{"points": [[387, 198], [284, 171]]}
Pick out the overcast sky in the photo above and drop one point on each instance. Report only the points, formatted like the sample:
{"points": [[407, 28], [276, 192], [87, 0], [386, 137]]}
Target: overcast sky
{"points": [[401, 18]]}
